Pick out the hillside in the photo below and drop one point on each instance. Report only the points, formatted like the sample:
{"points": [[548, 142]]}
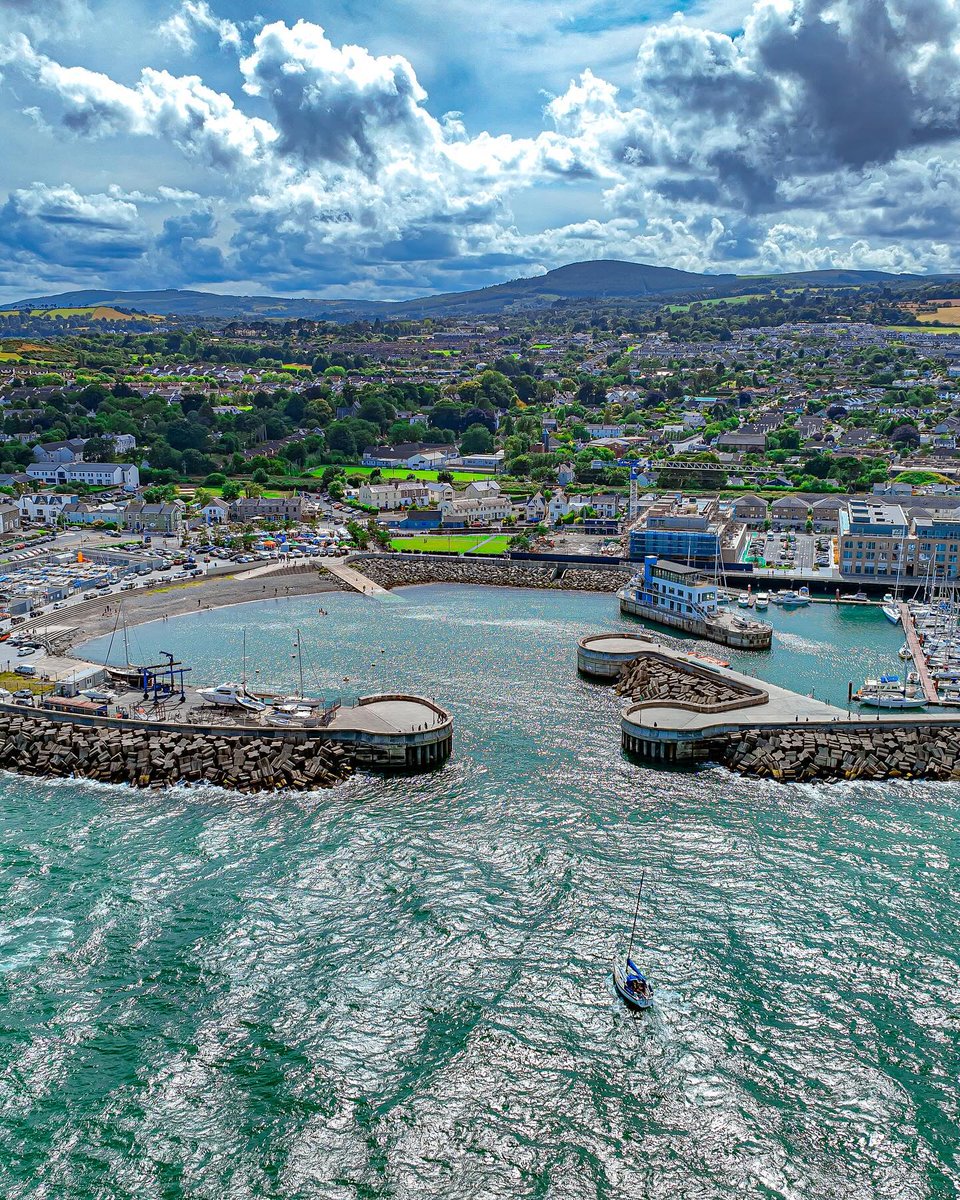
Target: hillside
{"points": [[601, 279]]}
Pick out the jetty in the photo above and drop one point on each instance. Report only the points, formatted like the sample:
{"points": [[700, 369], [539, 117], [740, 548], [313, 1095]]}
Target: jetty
{"points": [[684, 712], [930, 693], [354, 581]]}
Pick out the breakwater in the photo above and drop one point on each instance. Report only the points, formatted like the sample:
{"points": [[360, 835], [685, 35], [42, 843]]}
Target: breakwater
{"points": [[35, 744], [394, 570], [684, 713], [865, 750]]}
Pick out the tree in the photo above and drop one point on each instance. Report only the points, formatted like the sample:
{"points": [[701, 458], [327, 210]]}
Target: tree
{"points": [[340, 439], [476, 440], [99, 449], [231, 491]]}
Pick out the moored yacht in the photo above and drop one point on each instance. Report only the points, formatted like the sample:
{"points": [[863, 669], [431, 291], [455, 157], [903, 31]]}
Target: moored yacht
{"points": [[231, 695]]}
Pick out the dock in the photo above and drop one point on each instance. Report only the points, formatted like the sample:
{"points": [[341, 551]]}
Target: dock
{"points": [[930, 693]]}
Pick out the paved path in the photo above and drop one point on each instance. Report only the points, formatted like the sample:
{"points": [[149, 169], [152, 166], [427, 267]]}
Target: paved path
{"points": [[353, 579]]}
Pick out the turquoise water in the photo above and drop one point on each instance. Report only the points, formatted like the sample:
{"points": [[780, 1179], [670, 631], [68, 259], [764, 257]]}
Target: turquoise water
{"points": [[401, 988]]}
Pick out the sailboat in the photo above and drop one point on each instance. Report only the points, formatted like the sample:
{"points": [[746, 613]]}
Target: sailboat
{"points": [[891, 600], [632, 985]]}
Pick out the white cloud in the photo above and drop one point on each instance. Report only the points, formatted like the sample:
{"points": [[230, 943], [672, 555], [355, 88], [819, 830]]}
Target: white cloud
{"points": [[817, 136], [196, 15]]}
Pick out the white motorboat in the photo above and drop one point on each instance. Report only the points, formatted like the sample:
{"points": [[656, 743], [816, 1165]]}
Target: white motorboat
{"points": [[892, 612], [762, 601], [790, 599], [884, 685], [743, 600], [231, 695], [892, 699]]}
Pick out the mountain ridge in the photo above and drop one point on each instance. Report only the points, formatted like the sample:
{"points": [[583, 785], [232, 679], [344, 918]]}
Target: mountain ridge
{"points": [[599, 279]]}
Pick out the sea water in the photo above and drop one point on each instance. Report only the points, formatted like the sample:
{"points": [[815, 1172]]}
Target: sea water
{"points": [[401, 987]]}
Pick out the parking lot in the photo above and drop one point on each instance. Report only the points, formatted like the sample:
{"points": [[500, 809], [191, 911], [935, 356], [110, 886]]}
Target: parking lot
{"points": [[790, 551]]}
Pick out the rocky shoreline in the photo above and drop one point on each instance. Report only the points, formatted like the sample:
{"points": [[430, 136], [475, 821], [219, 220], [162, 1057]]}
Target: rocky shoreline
{"points": [[391, 571], [33, 745]]}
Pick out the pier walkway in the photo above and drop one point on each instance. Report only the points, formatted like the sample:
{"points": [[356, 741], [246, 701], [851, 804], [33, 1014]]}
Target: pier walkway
{"points": [[919, 660], [354, 580]]}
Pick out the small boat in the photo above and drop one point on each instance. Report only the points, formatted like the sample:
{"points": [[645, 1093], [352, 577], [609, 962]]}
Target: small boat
{"points": [[762, 601], [892, 612], [743, 600], [293, 716], [904, 652], [860, 596], [631, 984]]}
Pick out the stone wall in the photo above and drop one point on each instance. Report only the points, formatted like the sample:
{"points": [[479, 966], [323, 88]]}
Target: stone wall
{"points": [[34, 746], [404, 570], [651, 678], [857, 751]]}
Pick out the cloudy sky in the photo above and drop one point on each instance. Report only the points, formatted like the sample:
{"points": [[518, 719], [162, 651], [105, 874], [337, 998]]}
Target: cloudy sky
{"points": [[402, 147]]}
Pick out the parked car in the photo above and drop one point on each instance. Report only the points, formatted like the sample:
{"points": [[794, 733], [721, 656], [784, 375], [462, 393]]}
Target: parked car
{"points": [[25, 669]]}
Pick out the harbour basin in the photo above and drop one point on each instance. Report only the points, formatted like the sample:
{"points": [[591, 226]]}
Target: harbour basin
{"points": [[401, 987]]}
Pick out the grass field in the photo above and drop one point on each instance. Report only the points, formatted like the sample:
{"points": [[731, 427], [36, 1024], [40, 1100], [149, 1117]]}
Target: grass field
{"points": [[919, 329], [404, 473], [453, 543]]}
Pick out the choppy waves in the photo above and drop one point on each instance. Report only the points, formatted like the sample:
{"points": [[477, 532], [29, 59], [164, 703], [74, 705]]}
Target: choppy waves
{"points": [[401, 988]]}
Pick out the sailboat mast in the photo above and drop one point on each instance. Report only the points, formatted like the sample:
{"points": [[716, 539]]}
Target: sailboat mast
{"points": [[243, 673], [636, 913], [300, 660], [126, 643]]}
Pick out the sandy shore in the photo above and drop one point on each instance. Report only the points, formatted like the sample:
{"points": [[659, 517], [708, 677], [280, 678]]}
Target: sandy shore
{"points": [[193, 596]]}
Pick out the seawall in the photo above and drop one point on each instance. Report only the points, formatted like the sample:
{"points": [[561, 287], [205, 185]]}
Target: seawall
{"points": [[396, 570], [36, 745]]}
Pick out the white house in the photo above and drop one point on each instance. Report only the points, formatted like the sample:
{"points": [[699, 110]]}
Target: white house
{"points": [[125, 475], [536, 508], [482, 489], [557, 506], [600, 429], [215, 511], [388, 496], [471, 511], [43, 506]]}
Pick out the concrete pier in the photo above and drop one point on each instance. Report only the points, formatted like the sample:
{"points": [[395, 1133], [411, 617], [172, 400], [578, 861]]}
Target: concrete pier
{"points": [[604, 655], [685, 713]]}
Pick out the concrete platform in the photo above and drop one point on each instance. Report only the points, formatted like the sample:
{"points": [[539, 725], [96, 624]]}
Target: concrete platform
{"points": [[602, 655]]}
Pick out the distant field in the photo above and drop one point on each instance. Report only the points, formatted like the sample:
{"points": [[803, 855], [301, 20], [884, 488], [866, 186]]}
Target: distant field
{"points": [[424, 476], [946, 313], [9, 356], [913, 329], [458, 543], [99, 313]]}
